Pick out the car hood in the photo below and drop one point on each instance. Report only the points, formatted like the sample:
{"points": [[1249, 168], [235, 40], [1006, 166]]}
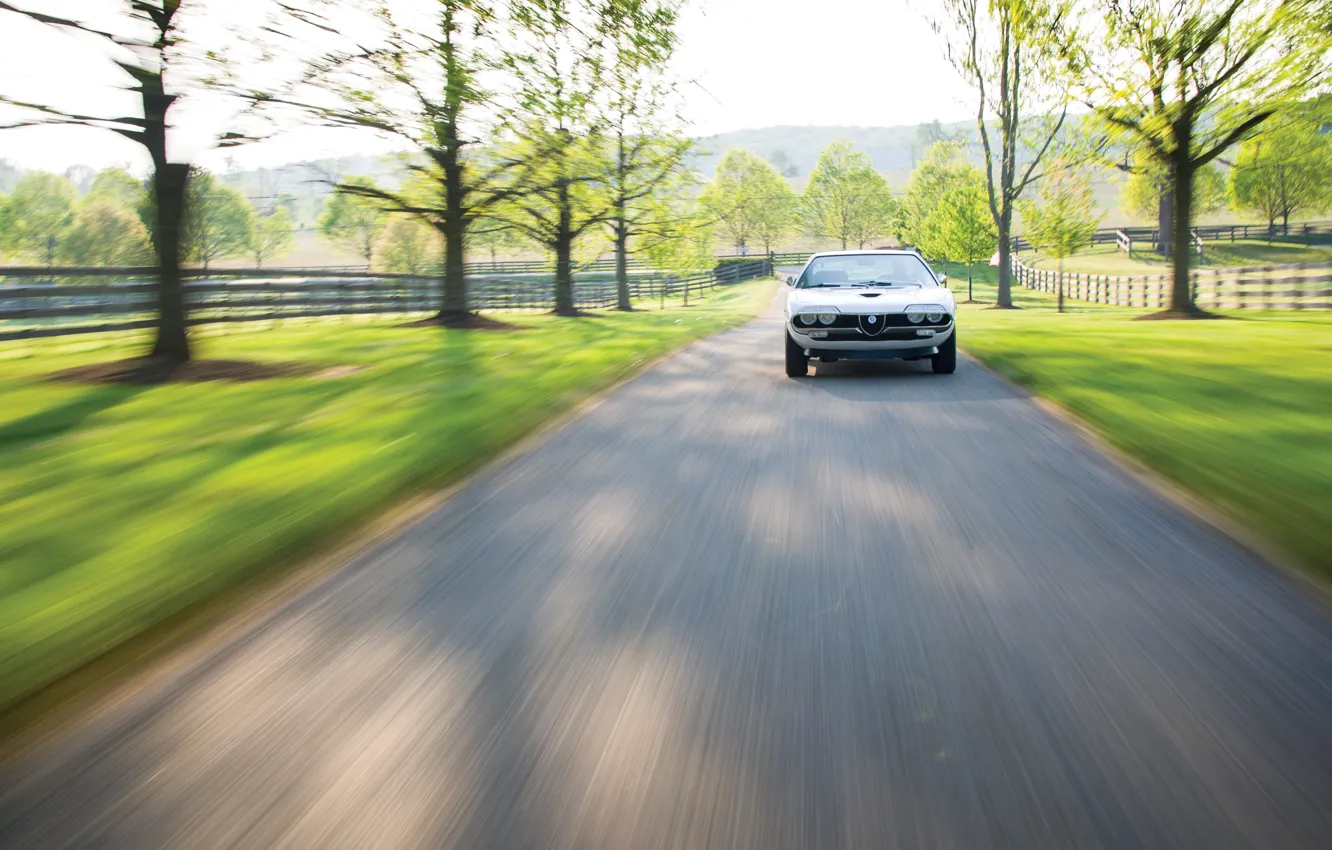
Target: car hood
{"points": [[867, 300]]}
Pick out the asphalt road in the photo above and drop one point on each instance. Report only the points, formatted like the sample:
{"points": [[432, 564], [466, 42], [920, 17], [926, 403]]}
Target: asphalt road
{"points": [[876, 608]]}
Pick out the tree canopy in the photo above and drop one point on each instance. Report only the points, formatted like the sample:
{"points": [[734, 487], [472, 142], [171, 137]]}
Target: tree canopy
{"points": [[846, 199]]}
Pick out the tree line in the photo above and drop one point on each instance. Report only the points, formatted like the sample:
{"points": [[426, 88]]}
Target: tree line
{"points": [[553, 120]]}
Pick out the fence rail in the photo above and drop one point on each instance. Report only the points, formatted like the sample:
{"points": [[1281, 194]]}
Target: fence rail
{"points": [[42, 310], [1284, 287], [1209, 232]]}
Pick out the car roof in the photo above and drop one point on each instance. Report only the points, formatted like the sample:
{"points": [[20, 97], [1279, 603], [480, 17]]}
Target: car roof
{"points": [[875, 252]]}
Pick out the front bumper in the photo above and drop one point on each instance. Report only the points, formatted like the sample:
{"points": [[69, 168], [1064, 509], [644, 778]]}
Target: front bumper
{"points": [[892, 342]]}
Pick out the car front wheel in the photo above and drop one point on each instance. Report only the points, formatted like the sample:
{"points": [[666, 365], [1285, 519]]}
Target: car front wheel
{"points": [[797, 364], [945, 362]]}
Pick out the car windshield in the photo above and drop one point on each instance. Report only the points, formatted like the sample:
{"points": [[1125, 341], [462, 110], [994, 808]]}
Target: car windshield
{"points": [[865, 269]]}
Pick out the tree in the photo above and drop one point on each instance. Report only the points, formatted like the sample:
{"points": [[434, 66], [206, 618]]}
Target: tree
{"points": [[103, 233], [408, 246], [353, 221], [735, 199], [646, 148], [1006, 50], [493, 238], [152, 65], [1285, 171], [779, 215], [942, 172], [1187, 79], [419, 81], [271, 237], [1064, 220], [117, 187], [966, 228], [1149, 182], [39, 210], [846, 199], [219, 220]]}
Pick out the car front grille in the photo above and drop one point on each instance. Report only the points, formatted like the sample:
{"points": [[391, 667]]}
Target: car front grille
{"points": [[874, 325]]}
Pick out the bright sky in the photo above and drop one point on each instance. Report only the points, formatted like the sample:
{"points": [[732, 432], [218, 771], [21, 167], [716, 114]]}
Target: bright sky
{"points": [[756, 62]]}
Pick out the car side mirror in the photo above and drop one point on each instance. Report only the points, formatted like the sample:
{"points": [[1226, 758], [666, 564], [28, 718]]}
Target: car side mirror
{"points": [[790, 281], [943, 279]]}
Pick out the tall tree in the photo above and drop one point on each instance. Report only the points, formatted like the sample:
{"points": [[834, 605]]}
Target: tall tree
{"points": [[779, 215], [118, 187], [1006, 50], [152, 67], [1149, 182], [418, 78], [846, 199], [353, 220], [943, 171], [409, 246], [1187, 79], [40, 210], [104, 233], [1064, 220], [271, 236], [646, 148], [1285, 171]]}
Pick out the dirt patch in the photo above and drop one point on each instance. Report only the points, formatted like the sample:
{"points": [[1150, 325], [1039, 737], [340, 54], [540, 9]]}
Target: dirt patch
{"points": [[576, 314], [333, 372], [472, 321], [997, 307], [1177, 315], [147, 370]]}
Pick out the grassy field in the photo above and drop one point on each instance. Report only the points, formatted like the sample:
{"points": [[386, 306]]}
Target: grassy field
{"points": [[1238, 411], [1108, 259], [122, 505]]}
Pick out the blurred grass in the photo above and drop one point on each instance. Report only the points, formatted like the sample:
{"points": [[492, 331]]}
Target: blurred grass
{"points": [[1239, 411], [121, 506], [1108, 259]]}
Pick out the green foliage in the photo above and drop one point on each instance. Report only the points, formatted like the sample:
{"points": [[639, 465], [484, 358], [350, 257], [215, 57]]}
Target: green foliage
{"points": [[682, 236], [353, 221], [966, 230], [1149, 180], [846, 199], [118, 187], [409, 246], [219, 221], [104, 233], [271, 237], [1285, 171], [943, 172], [1065, 219], [39, 213], [739, 197], [494, 239]]}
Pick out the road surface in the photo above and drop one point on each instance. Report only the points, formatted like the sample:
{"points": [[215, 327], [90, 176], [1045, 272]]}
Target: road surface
{"points": [[876, 608]]}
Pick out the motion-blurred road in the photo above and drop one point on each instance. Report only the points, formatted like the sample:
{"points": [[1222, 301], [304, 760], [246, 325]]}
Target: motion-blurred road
{"points": [[876, 608]]}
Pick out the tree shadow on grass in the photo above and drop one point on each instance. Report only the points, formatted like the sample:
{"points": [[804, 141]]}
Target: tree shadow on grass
{"points": [[56, 421]]}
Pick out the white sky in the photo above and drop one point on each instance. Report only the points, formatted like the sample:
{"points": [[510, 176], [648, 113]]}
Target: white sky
{"points": [[756, 62]]}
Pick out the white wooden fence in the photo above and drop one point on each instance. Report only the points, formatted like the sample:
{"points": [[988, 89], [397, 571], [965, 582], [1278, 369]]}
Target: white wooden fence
{"points": [[1290, 287]]}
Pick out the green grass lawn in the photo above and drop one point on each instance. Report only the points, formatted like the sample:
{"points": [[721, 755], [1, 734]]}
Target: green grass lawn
{"points": [[120, 506], [1109, 260], [1238, 411]]}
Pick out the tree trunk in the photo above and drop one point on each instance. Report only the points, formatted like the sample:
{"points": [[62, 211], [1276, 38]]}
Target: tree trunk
{"points": [[453, 294], [1181, 292], [1165, 221], [622, 265], [1004, 296], [1059, 284], [564, 294], [172, 343]]}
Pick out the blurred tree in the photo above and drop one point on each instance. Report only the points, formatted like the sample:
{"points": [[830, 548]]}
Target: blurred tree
{"points": [[353, 221], [846, 199], [1187, 79], [118, 187], [271, 236], [39, 213], [1065, 219], [104, 233], [219, 220], [1285, 171], [1149, 182], [493, 238], [409, 246], [779, 215], [966, 229], [916, 222], [742, 185], [1007, 50]]}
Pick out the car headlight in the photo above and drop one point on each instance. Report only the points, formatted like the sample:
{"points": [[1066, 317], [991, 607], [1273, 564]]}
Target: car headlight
{"points": [[806, 319], [827, 318], [917, 313]]}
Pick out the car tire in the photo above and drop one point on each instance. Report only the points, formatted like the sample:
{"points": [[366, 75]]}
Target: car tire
{"points": [[945, 362], [797, 364]]}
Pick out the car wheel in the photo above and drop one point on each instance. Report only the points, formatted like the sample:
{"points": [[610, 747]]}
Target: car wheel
{"points": [[797, 364], [945, 362]]}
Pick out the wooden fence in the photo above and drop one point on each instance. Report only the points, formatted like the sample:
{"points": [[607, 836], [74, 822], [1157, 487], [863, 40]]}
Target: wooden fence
{"points": [[45, 309], [1289, 287]]}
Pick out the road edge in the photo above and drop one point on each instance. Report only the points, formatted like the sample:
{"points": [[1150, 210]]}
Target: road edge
{"points": [[1188, 503]]}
